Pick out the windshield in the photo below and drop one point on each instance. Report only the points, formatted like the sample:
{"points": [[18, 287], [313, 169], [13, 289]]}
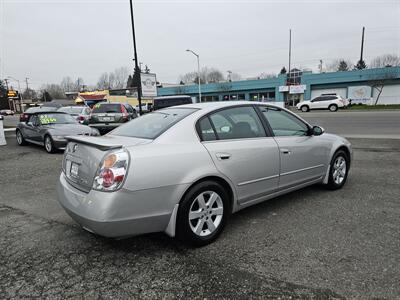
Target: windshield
{"points": [[107, 108], [152, 125], [71, 110], [50, 118]]}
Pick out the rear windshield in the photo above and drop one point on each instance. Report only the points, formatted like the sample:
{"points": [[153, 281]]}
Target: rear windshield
{"points": [[152, 125], [71, 110], [107, 108], [50, 118]]}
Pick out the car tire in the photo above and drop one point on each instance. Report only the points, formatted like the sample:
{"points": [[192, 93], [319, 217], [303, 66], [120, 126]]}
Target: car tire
{"points": [[304, 108], [338, 171], [202, 214], [333, 107], [20, 138], [49, 144]]}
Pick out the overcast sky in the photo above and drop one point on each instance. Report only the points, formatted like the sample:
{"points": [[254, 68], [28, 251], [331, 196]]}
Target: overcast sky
{"points": [[47, 40]]}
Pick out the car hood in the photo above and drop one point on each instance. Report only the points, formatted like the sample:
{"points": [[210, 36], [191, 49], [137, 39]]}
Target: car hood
{"points": [[68, 129]]}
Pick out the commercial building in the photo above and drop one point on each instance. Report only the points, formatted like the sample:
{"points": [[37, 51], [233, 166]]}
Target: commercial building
{"points": [[361, 86]]}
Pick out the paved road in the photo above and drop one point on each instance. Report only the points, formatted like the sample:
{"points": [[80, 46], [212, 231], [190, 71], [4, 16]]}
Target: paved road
{"points": [[365, 124], [311, 244]]}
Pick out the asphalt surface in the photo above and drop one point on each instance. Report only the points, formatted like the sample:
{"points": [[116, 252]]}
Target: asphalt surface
{"points": [[311, 244], [357, 124]]}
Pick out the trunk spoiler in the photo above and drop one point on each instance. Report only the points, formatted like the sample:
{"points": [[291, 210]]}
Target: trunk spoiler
{"points": [[99, 143]]}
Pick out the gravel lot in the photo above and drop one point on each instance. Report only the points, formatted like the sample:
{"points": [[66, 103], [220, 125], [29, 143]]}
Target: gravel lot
{"points": [[310, 244]]}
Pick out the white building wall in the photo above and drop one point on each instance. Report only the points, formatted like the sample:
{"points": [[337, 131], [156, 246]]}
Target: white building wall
{"points": [[317, 92], [390, 94]]}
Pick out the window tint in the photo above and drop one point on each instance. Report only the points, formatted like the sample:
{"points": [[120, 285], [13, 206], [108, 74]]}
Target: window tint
{"points": [[152, 125], [206, 131], [316, 99], [284, 123], [237, 123]]}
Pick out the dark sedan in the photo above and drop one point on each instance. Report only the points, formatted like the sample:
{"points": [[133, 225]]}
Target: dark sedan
{"points": [[49, 129]]}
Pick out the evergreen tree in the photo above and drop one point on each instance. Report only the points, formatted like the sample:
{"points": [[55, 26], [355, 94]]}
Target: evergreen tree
{"points": [[283, 71], [360, 65], [343, 66]]}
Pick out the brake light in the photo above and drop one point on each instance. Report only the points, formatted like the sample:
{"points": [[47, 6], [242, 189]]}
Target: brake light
{"points": [[81, 118], [125, 114], [112, 171]]}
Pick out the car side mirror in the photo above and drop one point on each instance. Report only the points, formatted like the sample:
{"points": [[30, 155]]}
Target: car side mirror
{"points": [[317, 130]]}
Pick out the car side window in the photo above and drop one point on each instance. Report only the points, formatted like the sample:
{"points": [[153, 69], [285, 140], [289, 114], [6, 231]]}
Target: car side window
{"points": [[316, 99], [205, 130], [237, 123], [33, 120], [284, 123]]}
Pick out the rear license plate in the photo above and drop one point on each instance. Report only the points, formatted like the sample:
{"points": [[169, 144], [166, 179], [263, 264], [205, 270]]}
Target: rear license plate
{"points": [[74, 169], [106, 118]]}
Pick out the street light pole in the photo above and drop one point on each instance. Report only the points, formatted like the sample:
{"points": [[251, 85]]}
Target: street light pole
{"points": [[137, 69], [198, 70]]}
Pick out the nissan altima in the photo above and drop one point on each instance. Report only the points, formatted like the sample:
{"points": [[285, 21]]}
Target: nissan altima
{"points": [[183, 170], [50, 129]]}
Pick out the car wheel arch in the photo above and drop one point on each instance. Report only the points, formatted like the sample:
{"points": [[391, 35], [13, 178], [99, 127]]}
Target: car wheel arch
{"points": [[171, 227], [343, 148]]}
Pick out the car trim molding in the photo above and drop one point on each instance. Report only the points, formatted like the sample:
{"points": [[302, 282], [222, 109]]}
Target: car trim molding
{"points": [[301, 170], [257, 180]]}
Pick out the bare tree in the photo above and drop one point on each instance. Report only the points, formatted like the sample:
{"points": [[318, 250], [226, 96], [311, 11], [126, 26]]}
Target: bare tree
{"points": [[54, 90], [385, 60], [214, 75], [378, 82], [67, 84], [207, 75], [103, 82], [235, 76], [120, 77]]}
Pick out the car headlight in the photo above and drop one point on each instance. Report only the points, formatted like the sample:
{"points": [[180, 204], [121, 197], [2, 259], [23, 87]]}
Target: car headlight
{"points": [[95, 132], [58, 137]]}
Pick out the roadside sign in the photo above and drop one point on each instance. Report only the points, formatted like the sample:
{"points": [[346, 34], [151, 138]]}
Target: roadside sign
{"points": [[2, 136], [149, 84], [297, 89], [359, 94]]}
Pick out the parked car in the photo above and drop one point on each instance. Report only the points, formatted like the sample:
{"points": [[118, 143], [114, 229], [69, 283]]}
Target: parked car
{"points": [[183, 170], [49, 129], [26, 114], [80, 113], [146, 108], [6, 112], [168, 101], [107, 116], [326, 101]]}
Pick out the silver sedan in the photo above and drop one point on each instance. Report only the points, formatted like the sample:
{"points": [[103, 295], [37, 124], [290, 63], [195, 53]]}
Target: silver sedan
{"points": [[183, 170]]}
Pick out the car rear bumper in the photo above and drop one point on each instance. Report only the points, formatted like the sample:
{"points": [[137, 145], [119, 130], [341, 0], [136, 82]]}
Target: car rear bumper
{"points": [[105, 127], [117, 214]]}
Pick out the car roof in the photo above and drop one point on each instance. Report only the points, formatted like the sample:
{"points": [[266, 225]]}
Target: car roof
{"points": [[49, 112], [210, 106]]}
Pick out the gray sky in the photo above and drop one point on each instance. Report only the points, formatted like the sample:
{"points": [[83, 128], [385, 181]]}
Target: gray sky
{"points": [[47, 40]]}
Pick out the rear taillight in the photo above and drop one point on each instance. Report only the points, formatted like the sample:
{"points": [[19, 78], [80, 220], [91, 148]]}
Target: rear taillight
{"points": [[125, 114], [81, 118], [112, 171]]}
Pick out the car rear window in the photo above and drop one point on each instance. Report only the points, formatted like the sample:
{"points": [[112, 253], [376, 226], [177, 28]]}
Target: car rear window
{"points": [[106, 108], [154, 124], [71, 110]]}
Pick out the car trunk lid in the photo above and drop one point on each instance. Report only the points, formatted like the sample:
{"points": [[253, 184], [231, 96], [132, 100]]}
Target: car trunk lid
{"points": [[83, 156]]}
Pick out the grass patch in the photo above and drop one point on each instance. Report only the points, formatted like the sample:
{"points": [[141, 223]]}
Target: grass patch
{"points": [[373, 107]]}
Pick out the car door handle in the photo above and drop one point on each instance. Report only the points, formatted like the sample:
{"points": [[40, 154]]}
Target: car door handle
{"points": [[223, 156], [286, 151]]}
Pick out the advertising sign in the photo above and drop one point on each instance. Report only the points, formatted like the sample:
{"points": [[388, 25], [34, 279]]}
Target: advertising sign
{"points": [[284, 88], [297, 89], [359, 94], [149, 84]]}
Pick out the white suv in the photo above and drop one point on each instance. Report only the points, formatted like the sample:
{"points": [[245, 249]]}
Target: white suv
{"points": [[331, 102]]}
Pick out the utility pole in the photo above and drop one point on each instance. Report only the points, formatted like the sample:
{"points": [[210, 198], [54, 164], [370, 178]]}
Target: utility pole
{"points": [[290, 50], [27, 86], [137, 69], [6, 81], [229, 76], [362, 44]]}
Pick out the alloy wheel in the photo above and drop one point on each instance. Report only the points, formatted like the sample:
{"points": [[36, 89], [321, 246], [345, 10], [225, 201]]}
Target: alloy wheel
{"points": [[48, 144], [339, 170], [19, 137], [205, 213]]}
